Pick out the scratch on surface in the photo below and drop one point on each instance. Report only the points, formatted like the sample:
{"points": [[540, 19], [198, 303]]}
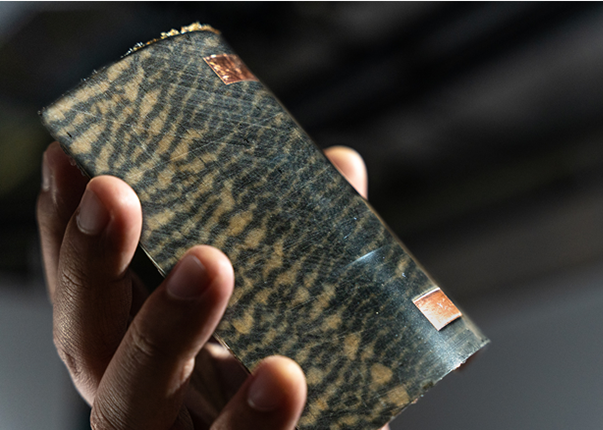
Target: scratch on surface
{"points": [[306, 184], [301, 305], [146, 129], [221, 102], [364, 259]]}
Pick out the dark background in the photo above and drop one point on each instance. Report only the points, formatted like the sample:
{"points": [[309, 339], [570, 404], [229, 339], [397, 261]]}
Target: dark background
{"points": [[481, 126]]}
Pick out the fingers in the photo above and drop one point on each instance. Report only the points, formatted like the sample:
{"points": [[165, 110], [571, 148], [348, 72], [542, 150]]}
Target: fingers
{"points": [[62, 189], [351, 166], [145, 383], [93, 290], [272, 398]]}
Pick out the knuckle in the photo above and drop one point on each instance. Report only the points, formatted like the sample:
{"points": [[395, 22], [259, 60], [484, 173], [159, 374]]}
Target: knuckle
{"points": [[82, 269], [72, 277], [63, 343], [73, 365], [79, 362], [71, 356], [106, 416], [145, 347], [79, 371]]}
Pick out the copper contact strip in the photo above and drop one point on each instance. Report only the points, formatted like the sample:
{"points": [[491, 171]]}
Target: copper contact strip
{"points": [[229, 68], [437, 308]]}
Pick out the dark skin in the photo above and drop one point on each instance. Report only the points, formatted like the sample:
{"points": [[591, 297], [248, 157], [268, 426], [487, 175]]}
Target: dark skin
{"points": [[146, 361]]}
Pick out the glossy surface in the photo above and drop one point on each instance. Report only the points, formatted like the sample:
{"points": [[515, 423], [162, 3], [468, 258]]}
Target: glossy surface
{"points": [[319, 277]]}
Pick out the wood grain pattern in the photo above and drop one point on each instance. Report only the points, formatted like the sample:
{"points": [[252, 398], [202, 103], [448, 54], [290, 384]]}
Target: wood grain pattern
{"points": [[319, 277]]}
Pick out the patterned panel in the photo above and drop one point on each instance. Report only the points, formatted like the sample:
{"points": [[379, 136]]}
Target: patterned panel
{"points": [[319, 278]]}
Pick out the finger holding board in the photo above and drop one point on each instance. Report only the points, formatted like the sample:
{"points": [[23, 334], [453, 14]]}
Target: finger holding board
{"points": [[215, 159]]}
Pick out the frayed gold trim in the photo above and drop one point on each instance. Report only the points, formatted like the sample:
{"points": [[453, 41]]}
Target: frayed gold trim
{"points": [[195, 26]]}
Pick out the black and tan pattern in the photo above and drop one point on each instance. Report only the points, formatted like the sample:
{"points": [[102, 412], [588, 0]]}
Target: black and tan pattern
{"points": [[319, 278]]}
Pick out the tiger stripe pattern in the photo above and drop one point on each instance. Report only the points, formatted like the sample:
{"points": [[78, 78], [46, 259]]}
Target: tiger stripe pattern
{"points": [[319, 277]]}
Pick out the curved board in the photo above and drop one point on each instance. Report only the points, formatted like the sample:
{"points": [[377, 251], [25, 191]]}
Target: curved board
{"points": [[215, 159]]}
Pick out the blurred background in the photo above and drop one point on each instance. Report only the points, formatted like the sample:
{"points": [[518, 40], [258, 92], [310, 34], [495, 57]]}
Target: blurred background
{"points": [[481, 126]]}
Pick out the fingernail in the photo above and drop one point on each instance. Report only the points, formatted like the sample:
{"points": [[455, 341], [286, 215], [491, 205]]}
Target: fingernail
{"points": [[265, 392], [46, 179], [188, 280], [92, 216]]}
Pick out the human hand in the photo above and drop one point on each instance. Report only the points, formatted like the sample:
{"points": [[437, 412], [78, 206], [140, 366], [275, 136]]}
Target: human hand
{"points": [[144, 361]]}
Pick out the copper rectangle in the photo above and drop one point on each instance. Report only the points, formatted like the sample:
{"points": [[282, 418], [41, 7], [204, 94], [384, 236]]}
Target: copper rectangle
{"points": [[437, 308], [229, 68]]}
